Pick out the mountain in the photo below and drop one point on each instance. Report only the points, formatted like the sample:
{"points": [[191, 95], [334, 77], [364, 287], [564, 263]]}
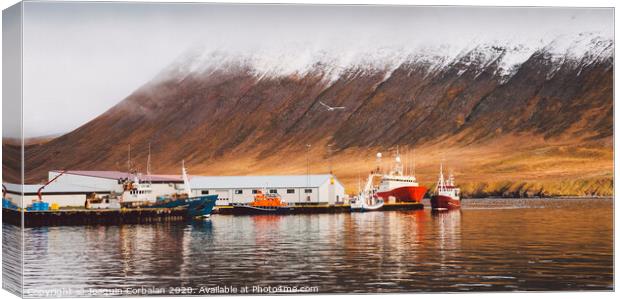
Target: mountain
{"points": [[509, 118]]}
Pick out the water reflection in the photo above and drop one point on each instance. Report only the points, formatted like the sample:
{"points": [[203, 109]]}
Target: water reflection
{"points": [[11, 259], [553, 245], [448, 224]]}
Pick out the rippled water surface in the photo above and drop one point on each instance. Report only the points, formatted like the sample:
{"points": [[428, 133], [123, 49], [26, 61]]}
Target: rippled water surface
{"points": [[490, 245]]}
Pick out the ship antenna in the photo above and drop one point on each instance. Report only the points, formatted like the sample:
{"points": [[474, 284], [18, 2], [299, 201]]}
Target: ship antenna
{"points": [[451, 177], [398, 165], [148, 165], [441, 169], [396, 160], [440, 183], [129, 158], [414, 161], [406, 162]]}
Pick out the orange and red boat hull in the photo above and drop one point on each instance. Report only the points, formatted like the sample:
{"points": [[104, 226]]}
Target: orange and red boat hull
{"points": [[406, 194], [442, 202]]}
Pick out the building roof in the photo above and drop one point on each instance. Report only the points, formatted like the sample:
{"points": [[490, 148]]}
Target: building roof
{"points": [[117, 175], [268, 181], [53, 188]]}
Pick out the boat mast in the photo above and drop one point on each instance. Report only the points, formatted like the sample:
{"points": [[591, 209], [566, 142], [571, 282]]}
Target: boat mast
{"points": [[186, 186], [440, 182]]}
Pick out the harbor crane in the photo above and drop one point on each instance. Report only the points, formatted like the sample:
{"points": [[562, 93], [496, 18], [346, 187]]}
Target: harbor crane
{"points": [[46, 184]]}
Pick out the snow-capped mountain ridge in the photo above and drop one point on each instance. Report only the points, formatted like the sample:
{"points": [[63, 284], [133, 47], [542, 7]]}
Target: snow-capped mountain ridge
{"points": [[505, 57]]}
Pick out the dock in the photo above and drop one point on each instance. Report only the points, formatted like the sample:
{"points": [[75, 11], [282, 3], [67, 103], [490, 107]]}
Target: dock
{"points": [[327, 209], [155, 215]]}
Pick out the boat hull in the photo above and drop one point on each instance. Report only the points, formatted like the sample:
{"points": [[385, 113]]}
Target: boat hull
{"points": [[201, 206], [367, 208], [404, 194], [251, 210], [441, 202], [198, 206]]}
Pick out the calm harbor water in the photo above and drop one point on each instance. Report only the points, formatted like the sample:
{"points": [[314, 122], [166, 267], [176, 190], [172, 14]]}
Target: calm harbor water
{"points": [[490, 245]]}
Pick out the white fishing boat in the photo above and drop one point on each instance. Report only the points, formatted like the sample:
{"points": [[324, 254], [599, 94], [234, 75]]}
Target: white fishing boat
{"points": [[367, 199]]}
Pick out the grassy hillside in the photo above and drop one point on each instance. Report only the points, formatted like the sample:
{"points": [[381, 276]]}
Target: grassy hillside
{"points": [[514, 166]]}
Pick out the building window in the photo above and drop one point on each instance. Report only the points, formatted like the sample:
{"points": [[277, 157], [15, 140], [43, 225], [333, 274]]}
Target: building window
{"points": [[254, 191], [238, 191], [308, 190], [273, 191], [290, 191], [205, 191]]}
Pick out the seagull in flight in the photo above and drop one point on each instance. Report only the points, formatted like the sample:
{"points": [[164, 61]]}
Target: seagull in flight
{"points": [[330, 108]]}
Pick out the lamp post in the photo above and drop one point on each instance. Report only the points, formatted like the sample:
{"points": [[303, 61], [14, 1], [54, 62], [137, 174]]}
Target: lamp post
{"points": [[307, 169], [308, 162], [329, 158]]}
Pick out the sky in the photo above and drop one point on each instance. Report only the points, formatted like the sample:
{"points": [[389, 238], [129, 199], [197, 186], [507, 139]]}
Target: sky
{"points": [[80, 59]]}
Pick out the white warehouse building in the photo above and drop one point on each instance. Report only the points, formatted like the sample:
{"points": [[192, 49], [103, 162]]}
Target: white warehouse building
{"points": [[293, 189]]}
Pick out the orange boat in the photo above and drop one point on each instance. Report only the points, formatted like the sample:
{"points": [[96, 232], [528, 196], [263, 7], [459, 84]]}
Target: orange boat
{"points": [[262, 200], [269, 203]]}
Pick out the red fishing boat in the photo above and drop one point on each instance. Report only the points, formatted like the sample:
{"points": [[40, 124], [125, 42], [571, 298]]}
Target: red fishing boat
{"points": [[398, 186], [447, 195]]}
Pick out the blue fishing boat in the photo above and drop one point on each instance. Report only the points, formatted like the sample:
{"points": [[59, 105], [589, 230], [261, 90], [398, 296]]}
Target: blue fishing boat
{"points": [[139, 194], [199, 206]]}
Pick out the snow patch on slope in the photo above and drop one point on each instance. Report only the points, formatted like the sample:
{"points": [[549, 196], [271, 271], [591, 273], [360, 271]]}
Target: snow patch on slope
{"points": [[579, 51]]}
